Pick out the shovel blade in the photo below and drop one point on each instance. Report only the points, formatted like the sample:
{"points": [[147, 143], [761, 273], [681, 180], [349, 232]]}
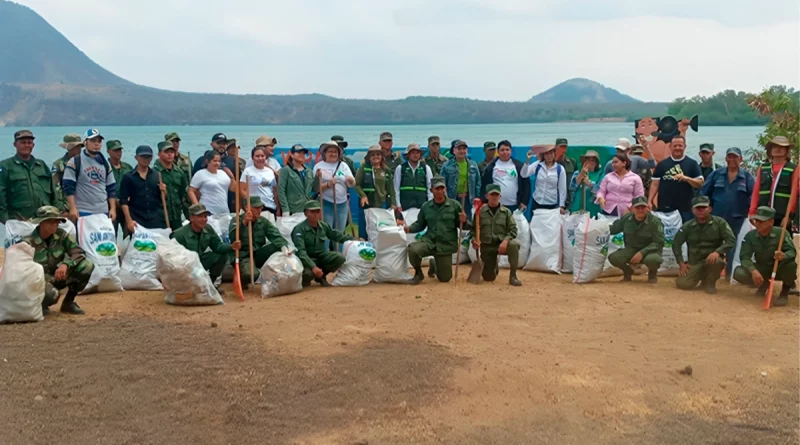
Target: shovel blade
{"points": [[237, 282], [476, 273]]}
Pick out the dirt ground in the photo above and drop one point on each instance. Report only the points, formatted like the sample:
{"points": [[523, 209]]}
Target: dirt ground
{"points": [[547, 363]]}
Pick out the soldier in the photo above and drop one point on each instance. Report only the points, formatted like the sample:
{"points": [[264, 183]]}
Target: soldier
{"points": [[72, 143], [762, 244], [296, 180], [63, 260], [412, 180], [176, 181], [569, 164], [498, 236], [392, 159], [198, 237], [489, 150], [707, 164], [118, 169], [310, 237], [182, 160], [267, 240], [441, 216], [709, 238], [644, 240], [346, 159], [434, 159], [25, 182]]}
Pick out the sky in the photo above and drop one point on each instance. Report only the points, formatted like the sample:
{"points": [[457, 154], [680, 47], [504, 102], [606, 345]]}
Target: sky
{"points": [[482, 49]]}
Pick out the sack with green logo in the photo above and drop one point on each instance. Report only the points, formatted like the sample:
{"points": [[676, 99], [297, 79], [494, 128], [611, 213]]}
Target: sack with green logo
{"points": [[138, 270], [356, 270], [591, 247], [568, 229], [672, 222], [99, 241]]}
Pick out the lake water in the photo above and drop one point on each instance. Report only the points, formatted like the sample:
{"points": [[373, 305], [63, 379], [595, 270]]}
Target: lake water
{"points": [[196, 139]]}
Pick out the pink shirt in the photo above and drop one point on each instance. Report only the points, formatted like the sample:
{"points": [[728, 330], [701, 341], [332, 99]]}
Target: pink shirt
{"points": [[620, 191]]}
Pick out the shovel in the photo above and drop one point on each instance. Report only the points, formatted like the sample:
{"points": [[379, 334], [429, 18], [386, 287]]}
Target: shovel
{"points": [[476, 274]]}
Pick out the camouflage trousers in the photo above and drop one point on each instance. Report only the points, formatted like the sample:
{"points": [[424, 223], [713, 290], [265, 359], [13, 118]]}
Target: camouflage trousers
{"points": [[77, 279]]}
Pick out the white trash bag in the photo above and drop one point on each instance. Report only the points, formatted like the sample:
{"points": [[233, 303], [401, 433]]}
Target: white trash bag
{"points": [[356, 270], [568, 229], [138, 270], [17, 230], [376, 219], [746, 228], [282, 274], [391, 263], [523, 238], [591, 248], [99, 242], [286, 224], [185, 280], [464, 246], [672, 223], [410, 216], [22, 286], [545, 253]]}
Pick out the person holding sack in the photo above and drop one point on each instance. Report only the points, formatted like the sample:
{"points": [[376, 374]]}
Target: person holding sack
{"points": [[498, 236], [373, 185], [644, 241]]}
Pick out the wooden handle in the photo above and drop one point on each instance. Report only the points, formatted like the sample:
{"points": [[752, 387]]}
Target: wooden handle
{"points": [[164, 202]]}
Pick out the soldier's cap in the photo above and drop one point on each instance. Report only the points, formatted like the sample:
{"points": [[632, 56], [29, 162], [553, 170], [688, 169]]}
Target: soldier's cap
{"points": [[47, 212], [639, 201], [707, 147], [637, 149], [92, 133], [231, 143], [165, 145], [312, 205], [434, 140], [198, 209], [113, 144], [219, 137], [561, 141], [144, 150], [339, 140], [172, 137], [701, 201], [437, 181], [296, 148], [255, 201], [325, 145], [71, 140], [23, 134], [459, 143], [488, 145], [734, 151], [386, 136], [764, 213], [492, 189], [265, 140], [783, 141], [411, 147]]}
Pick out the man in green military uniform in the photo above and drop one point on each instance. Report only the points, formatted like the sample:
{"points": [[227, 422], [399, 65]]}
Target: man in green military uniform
{"points": [[570, 165], [434, 159], [386, 143], [25, 182], [310, 238], [177, 184], [198, 237], [708, 238], [267, 240], [490, 152], [644, 240], [72, 142], [118, 169], [761, 244], [182, 160], [498, 236], [442, 217], [64, 262]]}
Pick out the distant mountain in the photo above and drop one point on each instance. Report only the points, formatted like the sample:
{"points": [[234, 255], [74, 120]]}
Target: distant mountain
{"points": [[582, 91]]}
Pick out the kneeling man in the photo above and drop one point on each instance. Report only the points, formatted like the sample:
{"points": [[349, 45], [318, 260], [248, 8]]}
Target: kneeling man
{"points": [[267, 240], [644, 241], [310, 238], [498, 233]]}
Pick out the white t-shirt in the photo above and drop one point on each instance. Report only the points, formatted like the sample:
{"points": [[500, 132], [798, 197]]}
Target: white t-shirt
{"points": [[213, 190], [261, 183], [505, 175], [342, 174]]}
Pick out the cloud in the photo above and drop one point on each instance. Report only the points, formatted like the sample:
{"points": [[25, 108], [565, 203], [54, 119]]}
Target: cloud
{"points": [[487, 49]]}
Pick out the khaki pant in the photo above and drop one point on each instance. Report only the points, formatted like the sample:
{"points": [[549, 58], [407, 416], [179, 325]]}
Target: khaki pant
{"points": [[444, 263], [622, 258], [489, 254], [701, 272]]}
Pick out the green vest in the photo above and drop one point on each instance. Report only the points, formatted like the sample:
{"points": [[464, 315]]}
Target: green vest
{"points": [[782, 192], [413, 186]]}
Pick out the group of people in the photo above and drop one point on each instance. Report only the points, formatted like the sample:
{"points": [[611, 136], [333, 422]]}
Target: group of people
{"points": [[714, 202]]}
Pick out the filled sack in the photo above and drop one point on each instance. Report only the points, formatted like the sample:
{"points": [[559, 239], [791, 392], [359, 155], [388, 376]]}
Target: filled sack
{"points": [[356, 270], [672, 222], [22, 286], [746, 228], [376, 219], [464, 247], [221, 222], [568, 229], [16, 231], [286, 224], [591, 249], [185, 280], [98, 240], [410, 216], [282, 274], [545, 251], [138, 270], [391, 262]]}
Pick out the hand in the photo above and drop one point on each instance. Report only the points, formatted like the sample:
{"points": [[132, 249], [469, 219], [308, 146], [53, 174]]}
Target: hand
{"points": [[364, 202], [317, 272], [330, 184], [290, 253], [562, 210], [162, 187], [131, 226], [683, 270], [712, 258], [462, 217], [523, 207], [112, 213], [248, 216], [683, 125], [405, 229], [398, 208], [61, 273], [758, 279], [73, 215], [601, 201], [586, 181], [780, 256], [361, 239], [679, 177], [319, 173], [475, 244], [400, 222], [529, 154], [503, 247], [636, 259]]}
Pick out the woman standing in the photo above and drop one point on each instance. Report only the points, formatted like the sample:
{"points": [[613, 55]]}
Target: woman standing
{"points": [[550, 183], [332, 177], [618, 188], [373, 185], [294, 185], [585, 183], [263, 180], [210, 185]]}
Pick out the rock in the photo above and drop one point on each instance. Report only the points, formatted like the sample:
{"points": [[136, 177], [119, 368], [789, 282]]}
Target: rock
{"points": [[361, 442], [38, 398], [344, 343], [214, 324], [763, 373], [687, 370]]}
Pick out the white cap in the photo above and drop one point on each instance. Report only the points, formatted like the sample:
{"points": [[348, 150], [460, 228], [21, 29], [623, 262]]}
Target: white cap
{"points": [[623, 144]]}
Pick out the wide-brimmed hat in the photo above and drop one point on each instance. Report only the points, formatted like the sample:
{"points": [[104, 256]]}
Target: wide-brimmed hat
{"points": [[47, 212], [540, 149], [265, 140], [637, 149], [325, 145], [71, 140], [623, 144], [590, 154], [412, 147], [782, 141]]}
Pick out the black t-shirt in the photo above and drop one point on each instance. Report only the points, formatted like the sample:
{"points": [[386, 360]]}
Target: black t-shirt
{"points": [[672, 194]]}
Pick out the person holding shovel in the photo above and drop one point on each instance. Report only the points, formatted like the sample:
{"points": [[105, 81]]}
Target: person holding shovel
{"points": [[643, 233], [267, 240], [176, 182], [498, 233]]}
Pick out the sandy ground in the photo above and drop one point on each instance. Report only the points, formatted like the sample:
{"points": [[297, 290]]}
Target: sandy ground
{"points": [[548, 363]]}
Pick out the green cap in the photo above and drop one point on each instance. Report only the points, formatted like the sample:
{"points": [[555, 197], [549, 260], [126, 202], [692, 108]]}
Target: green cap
{"points": [[312, 205], [489, 145], [492, 188], [561, 141], [198, 209], [165, 145], [639, 201], [255, 201], [47, 212], [71, 140], [706, 146], [171, 136], [113, 144], [23, 134], [764, 213], [437, 181], [434, 140], [701, 201]]}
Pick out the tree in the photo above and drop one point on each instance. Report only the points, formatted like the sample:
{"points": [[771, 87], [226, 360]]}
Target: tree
{"points": [[782, 106], [728, 107]]}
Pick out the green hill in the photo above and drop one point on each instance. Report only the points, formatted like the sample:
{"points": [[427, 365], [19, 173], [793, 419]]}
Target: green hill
{"points": [[583, 91]]}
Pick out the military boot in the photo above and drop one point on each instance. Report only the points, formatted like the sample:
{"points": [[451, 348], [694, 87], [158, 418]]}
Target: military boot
{"points": [[783, 298], [762, 291], [512, 279], [627, 274], [418, 277], [323, 281], [432, 268], [69, 306], [652, 276], [710, 286]]}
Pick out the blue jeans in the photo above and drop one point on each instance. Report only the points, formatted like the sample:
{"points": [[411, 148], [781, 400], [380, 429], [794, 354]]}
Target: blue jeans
{"points": [[341, 217]]}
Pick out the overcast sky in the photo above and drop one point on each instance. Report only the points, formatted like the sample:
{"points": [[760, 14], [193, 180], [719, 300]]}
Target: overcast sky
{"points": [[483, 49]]}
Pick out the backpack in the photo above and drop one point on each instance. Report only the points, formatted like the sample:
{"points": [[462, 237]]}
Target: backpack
{"points": [[78, 166], [559, 169]]}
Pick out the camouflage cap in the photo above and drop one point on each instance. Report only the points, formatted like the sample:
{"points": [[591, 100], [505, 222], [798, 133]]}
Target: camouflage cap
{"points": [[488, 145], [639, 201], [637, 149], [255, 201], [707, 147], [493, 188], [172, 137], [23, 134], [764, 213], [459, 143], [114, 144], [47, 212], [412, 147], [561, 141], [437, 181], [265, 140], [386, 136], [312, 205], [701, 201], [198, 209], [434, 140], [165, 145], [71, 140]]}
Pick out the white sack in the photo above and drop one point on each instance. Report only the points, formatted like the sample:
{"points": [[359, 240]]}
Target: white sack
{"points": [[286, 224], [22, 286], [391, 263], [545, 253], [97, 238], [591, 248], [282, 274], [672, 223], [746, 227], [376, 219], [17, 230], [185, 280], [568, 239], [138, 270], [359, 256]]}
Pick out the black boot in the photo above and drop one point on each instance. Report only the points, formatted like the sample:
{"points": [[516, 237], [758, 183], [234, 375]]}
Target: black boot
{"points": [[783, 298], [652, 277], [626, 277], [418, 277], [512, 279], [710, 287], [45, 310], [69, 306], [323, 281], [432, 268], [762, 291]]}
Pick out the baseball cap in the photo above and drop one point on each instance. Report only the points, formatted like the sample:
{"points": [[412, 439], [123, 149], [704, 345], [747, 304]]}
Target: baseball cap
{"points": [[386, 136], [296, 148], [198, 209], [144, 150], [561, 141], [255, 201], [113, 144], [437, 181], [172, 136], [434, 140], [706, 146], [92, 133], [23, 134], [764, 213], [489, 145], [701, 201], [165, 145], [492, 188], [219, 137], [639, 201], [734, 150], [312, 205], [459, 143]]}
